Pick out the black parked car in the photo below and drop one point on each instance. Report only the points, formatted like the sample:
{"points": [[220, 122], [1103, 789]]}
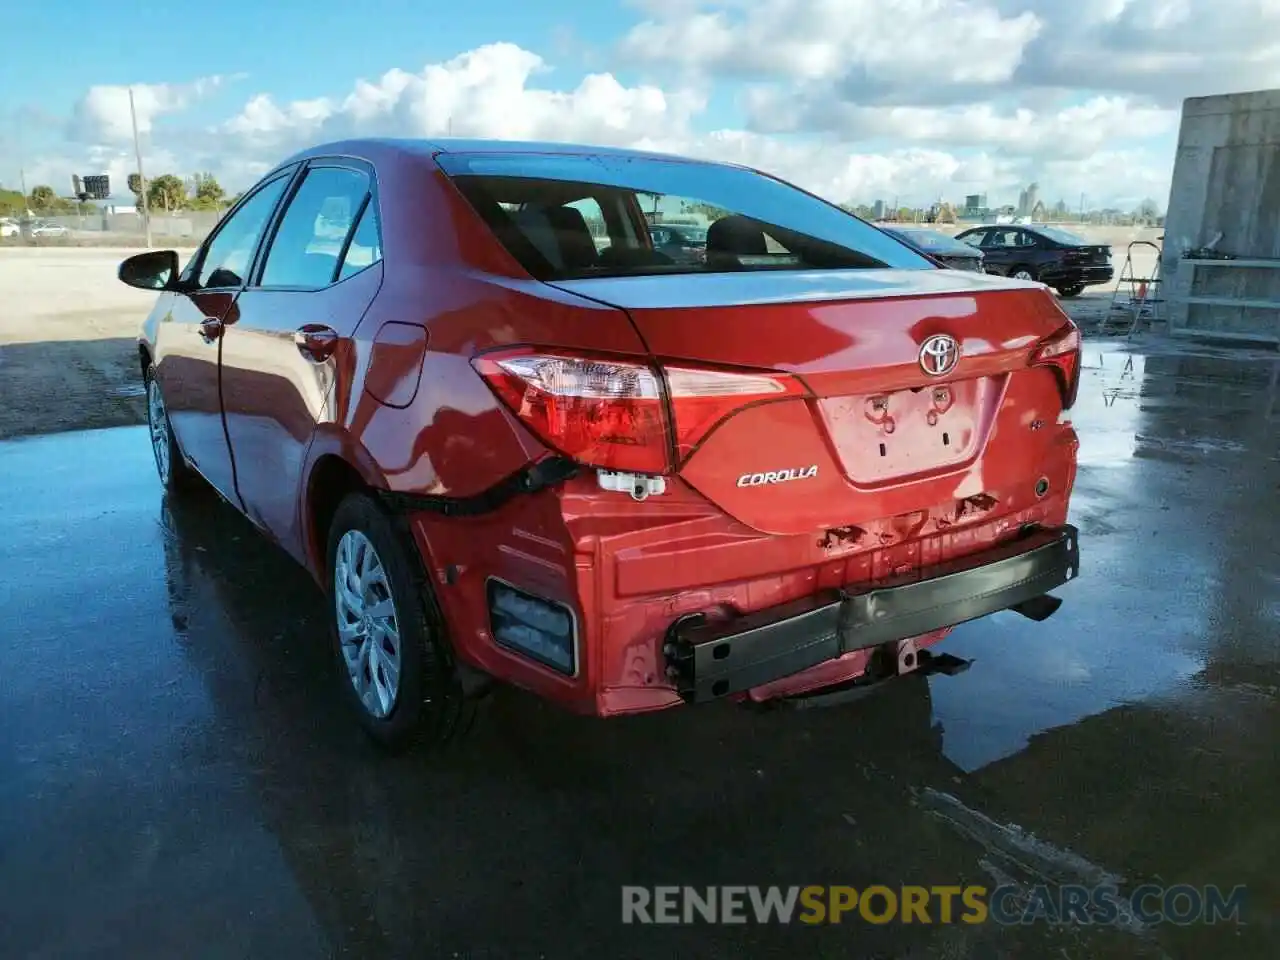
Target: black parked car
{"points": [[1051, 255], [949, 251]]}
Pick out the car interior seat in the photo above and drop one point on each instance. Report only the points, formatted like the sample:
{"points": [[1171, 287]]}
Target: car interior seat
{"points": [[733, 237], [560, 234]]}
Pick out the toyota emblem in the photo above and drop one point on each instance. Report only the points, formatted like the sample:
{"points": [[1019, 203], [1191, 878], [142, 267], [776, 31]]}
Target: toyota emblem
{"points": [[939, 355]]}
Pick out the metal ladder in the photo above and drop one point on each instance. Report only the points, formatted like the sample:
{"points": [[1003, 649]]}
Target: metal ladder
{"points": [[1144, 292]]}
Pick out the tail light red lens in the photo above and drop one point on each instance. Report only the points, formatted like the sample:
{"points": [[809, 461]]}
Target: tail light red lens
{"points": [[613, 413], [1061, 351], [607, 413], [700, 399]]}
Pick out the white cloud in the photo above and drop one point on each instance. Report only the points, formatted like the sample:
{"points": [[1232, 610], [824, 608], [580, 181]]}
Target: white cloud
{"points": [[1075, 131], [926, 52], [102, 115], [853, 100], [1162, 49], [916, 176], [55, 169], [486, 92], [903, 42]]}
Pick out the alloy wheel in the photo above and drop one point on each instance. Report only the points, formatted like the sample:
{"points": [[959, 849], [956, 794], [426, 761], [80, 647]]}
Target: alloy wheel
{"points": [[368, 629], [1023, 275], [158, 423]]}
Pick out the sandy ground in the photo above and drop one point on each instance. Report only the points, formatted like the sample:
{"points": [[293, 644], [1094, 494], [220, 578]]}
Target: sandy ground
{"points": [[68, 356]]}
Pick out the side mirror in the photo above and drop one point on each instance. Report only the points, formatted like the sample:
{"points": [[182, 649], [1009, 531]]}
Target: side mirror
{"points": [[153, 270]]}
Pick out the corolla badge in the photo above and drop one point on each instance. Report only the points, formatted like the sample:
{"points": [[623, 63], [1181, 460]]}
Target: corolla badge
{"points": [[778, 476], [939, 355]]}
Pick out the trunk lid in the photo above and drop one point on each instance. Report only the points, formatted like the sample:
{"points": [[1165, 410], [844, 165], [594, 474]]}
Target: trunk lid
{"points": [[1088, 255], [878, 435]]}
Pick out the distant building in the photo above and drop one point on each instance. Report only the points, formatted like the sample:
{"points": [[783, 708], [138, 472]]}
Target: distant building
{"points": [[974, 202], [877, 210], [1028, 199]]}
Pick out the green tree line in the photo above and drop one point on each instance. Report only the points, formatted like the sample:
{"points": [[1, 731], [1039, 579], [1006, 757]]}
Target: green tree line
{"points": [[169, 193], [165, 193]]}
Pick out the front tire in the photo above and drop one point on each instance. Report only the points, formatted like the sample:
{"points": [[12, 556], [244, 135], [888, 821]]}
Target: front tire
{"points": [[394, 662], [1023, 273], [171, 466]]}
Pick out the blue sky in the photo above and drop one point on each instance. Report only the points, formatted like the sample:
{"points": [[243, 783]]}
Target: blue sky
{"points": [[856, 99]]}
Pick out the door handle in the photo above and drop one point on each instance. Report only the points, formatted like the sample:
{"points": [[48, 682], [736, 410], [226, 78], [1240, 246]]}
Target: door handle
{"points": [[315, 341], [210, 329]]}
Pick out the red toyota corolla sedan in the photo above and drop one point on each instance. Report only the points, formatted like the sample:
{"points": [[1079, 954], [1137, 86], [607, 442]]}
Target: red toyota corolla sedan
{"points": [[514, 440]]}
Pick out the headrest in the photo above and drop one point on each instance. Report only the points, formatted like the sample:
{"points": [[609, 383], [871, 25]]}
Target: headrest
{"points": [[736, 235]]}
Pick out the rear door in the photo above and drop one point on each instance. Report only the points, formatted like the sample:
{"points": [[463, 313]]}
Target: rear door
{"points": [[189, 336], [318, 274], [1002, 249]]}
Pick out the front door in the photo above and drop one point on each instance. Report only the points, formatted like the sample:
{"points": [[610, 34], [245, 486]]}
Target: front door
{"points": [[318, 275], [189, 336]]}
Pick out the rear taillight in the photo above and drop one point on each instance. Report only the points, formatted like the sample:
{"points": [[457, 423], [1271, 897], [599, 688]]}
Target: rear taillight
{"points": [[700, 399], [608, 413], [1061, 351], [613, 413]]}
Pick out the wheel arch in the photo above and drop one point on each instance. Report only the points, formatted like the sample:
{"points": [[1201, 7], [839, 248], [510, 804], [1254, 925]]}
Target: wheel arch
{"points": [[336, 466]]}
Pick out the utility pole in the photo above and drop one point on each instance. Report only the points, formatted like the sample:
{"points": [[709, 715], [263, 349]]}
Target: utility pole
{"points": [[142, 178], [22, 173], [1082, 208]]}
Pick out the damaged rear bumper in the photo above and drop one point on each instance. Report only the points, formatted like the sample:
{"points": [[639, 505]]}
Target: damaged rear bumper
{"points": [[709, 660]]}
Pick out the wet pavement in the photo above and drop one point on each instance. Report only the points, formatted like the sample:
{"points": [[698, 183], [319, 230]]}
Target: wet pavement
{"points": [[176, 778]]}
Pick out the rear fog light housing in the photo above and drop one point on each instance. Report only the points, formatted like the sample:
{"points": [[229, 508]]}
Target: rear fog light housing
{"points": [[542, 630]]}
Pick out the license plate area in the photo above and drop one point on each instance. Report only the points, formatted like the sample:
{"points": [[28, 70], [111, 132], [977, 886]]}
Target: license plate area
{"points": [[903, 433]]}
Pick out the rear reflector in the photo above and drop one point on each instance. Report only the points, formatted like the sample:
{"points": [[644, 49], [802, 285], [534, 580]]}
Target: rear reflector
{"points": [[540, 629], [1061, 351]]}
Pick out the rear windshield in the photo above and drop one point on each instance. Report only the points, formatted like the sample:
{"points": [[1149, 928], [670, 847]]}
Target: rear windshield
{"points": [[565, 217]]}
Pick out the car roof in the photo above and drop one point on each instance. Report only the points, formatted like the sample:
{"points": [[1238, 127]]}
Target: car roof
{"points": [[371, 148]]}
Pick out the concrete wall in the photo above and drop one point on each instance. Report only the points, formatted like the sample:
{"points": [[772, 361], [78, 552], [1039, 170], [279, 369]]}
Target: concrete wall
{"points": [[1226, 178]]}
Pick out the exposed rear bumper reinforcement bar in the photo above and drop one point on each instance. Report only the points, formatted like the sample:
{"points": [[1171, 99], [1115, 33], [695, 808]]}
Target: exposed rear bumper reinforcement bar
{"points": [[709, 660]]}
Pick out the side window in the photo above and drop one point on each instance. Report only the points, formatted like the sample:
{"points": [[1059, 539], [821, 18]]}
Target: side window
{"points": [[366, 243], [1026, 239], [589, 207], [226, 263], [308, 242], [976, 238]]}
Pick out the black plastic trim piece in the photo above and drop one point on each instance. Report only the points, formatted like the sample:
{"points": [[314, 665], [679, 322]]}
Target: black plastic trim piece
{"points": [[530, 479], [709, 660]]}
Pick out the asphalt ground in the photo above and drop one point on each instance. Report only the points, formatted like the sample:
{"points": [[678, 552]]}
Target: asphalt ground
{"points": [[177, 779]]}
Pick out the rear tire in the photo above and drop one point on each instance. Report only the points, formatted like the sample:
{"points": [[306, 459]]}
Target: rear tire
{"points": [[175, 475], [1071, 290], [394, 662]]}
